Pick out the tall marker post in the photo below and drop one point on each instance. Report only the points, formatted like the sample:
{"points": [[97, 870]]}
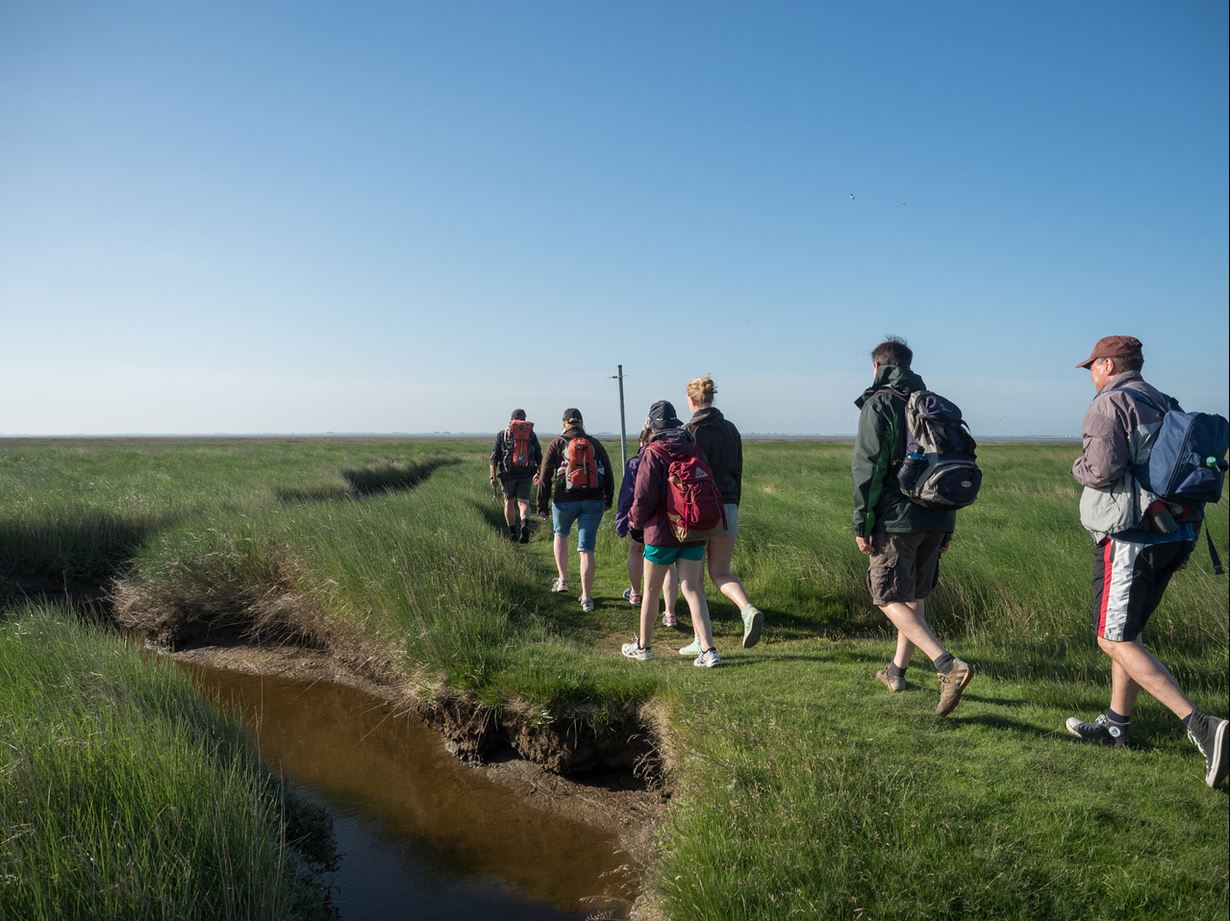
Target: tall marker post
{"points": [[623, 426]]}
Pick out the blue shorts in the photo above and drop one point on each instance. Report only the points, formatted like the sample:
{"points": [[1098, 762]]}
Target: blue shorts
{"points": [[664, 556], [586, 513]]}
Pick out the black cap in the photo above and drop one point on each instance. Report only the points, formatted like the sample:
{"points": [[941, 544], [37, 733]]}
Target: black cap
{"points": [[662, 415], [572, 414]]}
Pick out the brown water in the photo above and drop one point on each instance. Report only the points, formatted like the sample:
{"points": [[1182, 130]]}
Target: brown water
{"points": [[421, 835]]}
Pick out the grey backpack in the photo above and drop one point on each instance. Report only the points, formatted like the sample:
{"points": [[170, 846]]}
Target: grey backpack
{"points": [[939, 470]]}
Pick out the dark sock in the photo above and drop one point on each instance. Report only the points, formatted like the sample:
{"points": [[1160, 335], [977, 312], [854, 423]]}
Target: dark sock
{"points": [[943, 664], [1117, 717], [1196, 722], [894, 671]]}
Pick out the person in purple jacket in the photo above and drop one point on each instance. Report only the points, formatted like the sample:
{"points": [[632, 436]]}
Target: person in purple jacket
{"points": [[669, 442], [636, 541]]}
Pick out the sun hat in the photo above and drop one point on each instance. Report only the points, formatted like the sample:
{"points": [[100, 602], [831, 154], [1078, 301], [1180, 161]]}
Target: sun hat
{"points": [[662, 415]]}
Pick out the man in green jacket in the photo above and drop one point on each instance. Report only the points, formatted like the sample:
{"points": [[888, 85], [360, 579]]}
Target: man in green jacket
{"points": [[904, 540]]}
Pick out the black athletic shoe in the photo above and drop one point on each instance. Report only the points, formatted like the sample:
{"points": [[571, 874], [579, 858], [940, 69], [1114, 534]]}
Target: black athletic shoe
{"points": [[1212, 744], [1101, 730], [512, 533], [525, 533]]}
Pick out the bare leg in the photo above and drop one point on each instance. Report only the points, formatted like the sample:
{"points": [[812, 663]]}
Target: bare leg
{"points": [[654, 574], [510, 512], [561, 555], [670, 591], [1123, 690], [524, 506], [908, 619], [636, 565], [905, 651], [1132, 660], [692, 585], [587, 572], [719, 551]]}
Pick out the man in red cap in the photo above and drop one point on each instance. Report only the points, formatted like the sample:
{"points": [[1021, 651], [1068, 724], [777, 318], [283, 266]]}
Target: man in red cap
{"points": [[1139, 546]]}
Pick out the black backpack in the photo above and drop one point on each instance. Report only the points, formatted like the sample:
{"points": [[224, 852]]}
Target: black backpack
{"points": [[939, 470]]}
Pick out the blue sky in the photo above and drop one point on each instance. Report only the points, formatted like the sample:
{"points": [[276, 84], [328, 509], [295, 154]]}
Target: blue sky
{"points": [[301, 217]]}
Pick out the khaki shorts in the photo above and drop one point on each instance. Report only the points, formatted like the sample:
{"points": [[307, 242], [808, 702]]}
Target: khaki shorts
{"points": [[518, 488], [904, 567], [732, 521]]}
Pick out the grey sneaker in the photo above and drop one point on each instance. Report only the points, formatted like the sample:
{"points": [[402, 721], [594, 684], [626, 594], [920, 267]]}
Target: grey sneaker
{"points": [[1212, 744], [753, 620], [692, 649], [707, 659], [559, 585], [1101, 731], [635, 650], [953, 685], [894, 683]]}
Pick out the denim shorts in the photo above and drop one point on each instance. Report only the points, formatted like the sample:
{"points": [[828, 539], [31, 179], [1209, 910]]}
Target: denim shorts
{"points": [[665, 556], [587, 514]]}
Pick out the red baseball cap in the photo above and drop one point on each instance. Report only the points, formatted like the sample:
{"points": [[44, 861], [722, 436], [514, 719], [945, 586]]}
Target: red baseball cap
{"points": [[1113, 347]]}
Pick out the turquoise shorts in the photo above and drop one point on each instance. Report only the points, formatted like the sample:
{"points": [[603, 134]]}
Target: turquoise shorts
{"points": [[664, 556]]}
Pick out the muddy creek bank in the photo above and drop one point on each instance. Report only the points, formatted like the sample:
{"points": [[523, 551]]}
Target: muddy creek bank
{"points": [[420, 831]]}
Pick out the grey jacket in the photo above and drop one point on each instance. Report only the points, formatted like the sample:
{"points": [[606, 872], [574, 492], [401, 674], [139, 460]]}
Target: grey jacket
{"points": [[1117, 434]]}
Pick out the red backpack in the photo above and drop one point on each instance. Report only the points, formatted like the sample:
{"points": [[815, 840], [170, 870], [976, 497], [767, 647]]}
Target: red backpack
{"points": [[693, 503], [517, 447], [579, 468]]}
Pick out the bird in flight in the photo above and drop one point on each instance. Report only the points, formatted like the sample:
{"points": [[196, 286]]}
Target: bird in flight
{"points": [[851, 194]]}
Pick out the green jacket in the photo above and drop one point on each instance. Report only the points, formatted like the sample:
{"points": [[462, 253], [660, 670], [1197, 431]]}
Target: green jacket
{"points": [[878, 451]]}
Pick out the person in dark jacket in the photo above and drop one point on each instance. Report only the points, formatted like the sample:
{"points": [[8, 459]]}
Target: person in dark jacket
{"points": [[669, 442], [1138, 548], [719, 441], [577, 493], [903, 540], [515, 479], [636, 541]]}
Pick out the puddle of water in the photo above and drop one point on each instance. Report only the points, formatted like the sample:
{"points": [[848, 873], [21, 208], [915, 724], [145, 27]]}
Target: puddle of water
{"points": [[420, 833]]}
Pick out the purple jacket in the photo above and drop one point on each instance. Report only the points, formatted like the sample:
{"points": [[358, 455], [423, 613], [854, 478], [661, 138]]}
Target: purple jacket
{"points": [[626, 488], [648, 509]]}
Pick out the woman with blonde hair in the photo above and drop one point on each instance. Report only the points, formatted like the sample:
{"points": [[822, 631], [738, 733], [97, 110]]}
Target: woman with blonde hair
{"points": [[721, 444]]}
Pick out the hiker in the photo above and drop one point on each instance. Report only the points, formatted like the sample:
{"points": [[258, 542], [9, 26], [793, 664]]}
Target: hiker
{"points": [[903, 539], [636, 541], [1140, 543], [575, 477], [719, 441], [515, 459], [669, 446]]}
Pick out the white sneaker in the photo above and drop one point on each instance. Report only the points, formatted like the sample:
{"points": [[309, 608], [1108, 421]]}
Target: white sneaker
{"points": [[707, 659], [587, 605], [669, 620], [559, 585], [692, 649], [635, 650]]}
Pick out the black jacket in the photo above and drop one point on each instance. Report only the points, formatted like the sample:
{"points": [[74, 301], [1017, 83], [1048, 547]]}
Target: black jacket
{"points": [[719, 441]]}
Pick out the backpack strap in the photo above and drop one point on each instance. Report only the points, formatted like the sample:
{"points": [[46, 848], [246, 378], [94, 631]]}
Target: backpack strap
{"points": [[1216, 560]]}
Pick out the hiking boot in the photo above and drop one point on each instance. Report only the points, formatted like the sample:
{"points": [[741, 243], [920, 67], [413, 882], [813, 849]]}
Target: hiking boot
{"points": [[587, 605], [894, 683], [635, 650], [952, 685], [669, 619], [525, 534], [559, 585], [692, 649], [1102, 731], [512, 532], [753, 620], [1212, 744], [707, 659], [632, 598]]}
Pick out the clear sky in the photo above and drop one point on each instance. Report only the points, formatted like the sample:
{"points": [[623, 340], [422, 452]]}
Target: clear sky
{"points": [[302, 217]]}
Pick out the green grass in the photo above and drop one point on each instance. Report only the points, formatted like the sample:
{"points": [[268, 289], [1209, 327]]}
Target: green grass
{"points": [[803, 789], [123, 794]]}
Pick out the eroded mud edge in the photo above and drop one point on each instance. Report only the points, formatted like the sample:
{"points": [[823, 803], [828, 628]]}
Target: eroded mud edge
{"points": [[606, 797]]}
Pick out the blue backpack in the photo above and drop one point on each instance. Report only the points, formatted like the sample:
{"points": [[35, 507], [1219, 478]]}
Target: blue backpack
{"points": [[1187, 463]]}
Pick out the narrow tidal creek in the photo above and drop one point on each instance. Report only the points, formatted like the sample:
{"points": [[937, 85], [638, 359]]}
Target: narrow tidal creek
{"points": [[421, 835]]}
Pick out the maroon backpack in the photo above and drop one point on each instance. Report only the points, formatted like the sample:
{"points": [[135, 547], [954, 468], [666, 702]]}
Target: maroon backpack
{"points": [[693, 504]]}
